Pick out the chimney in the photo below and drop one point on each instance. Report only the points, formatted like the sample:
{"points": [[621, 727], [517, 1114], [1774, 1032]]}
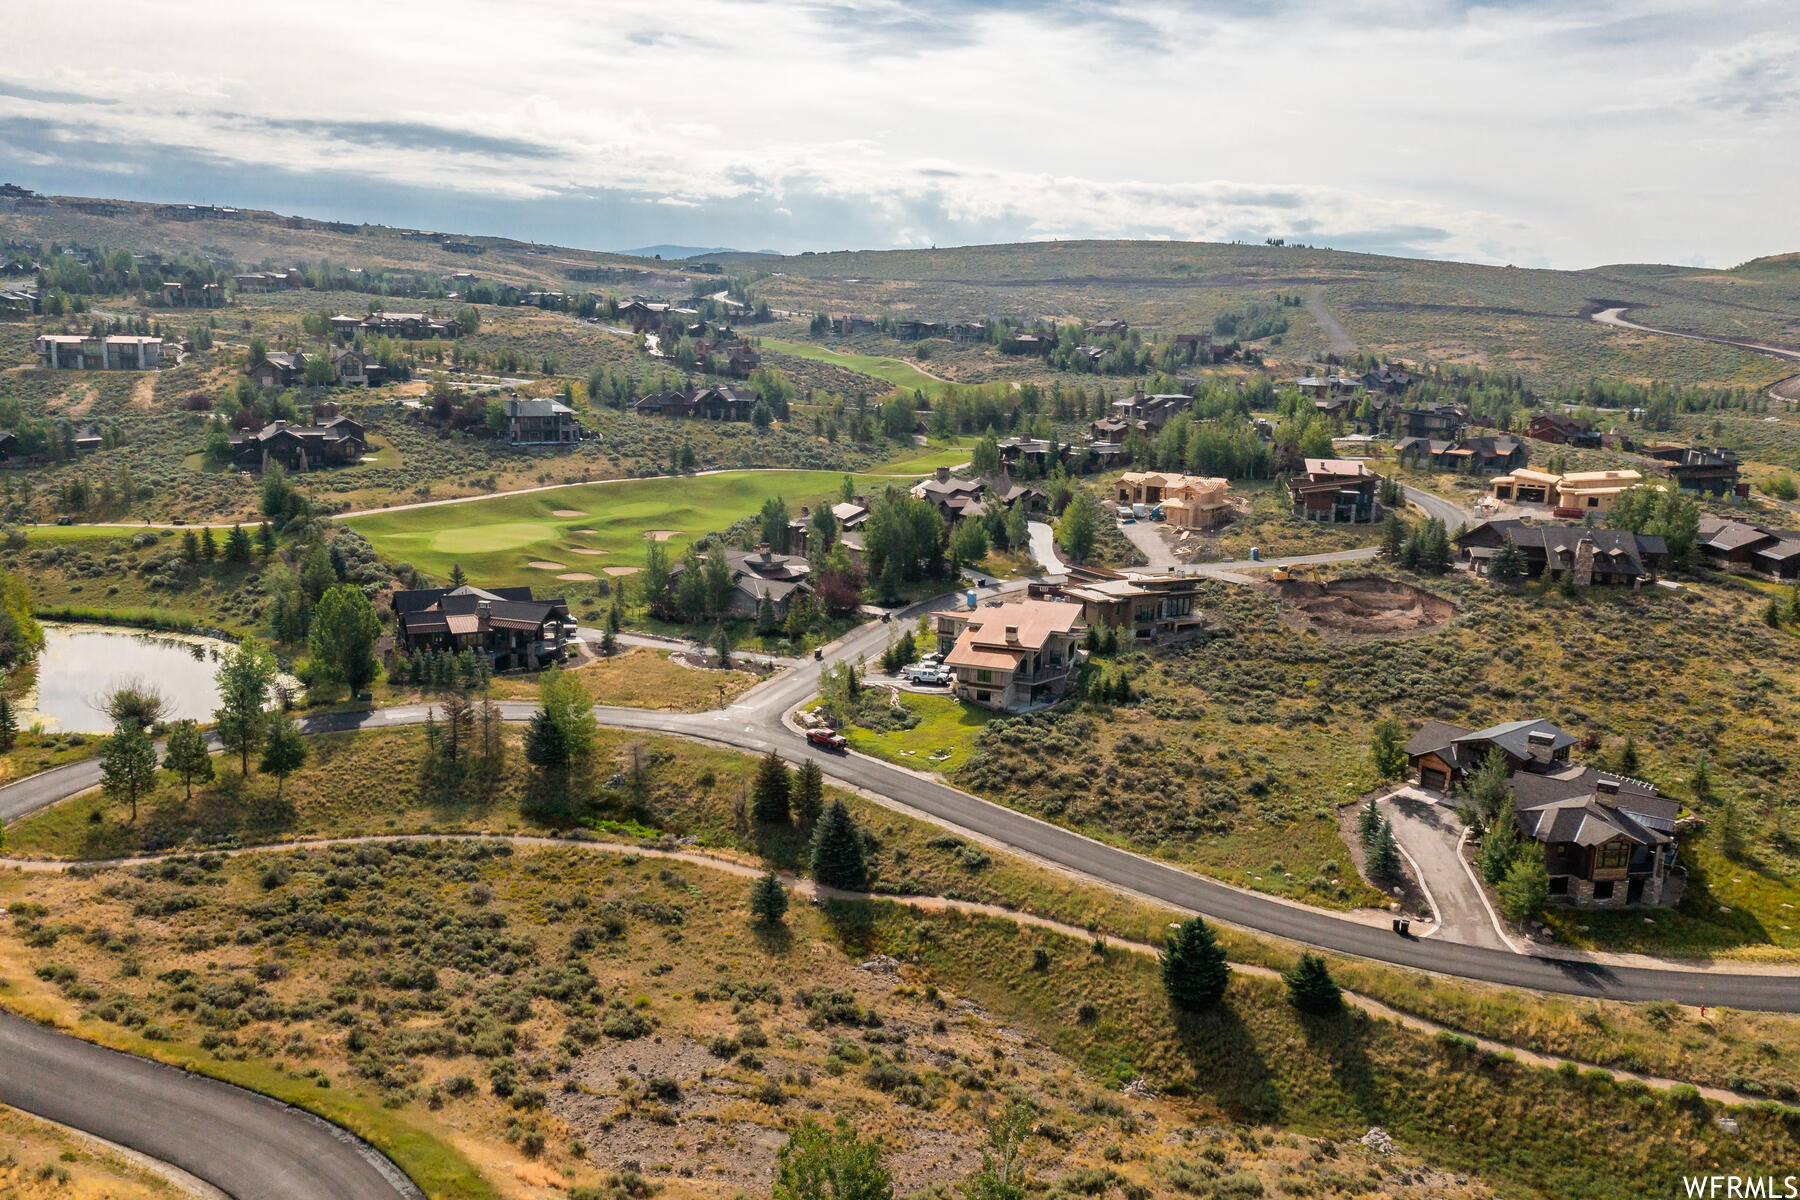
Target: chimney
{"points": [[1606, 791], [484, 611], [943, 474], [1012, 635]]}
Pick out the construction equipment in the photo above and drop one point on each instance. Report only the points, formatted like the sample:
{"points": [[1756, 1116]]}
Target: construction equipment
{"points": [[1307, 572]]}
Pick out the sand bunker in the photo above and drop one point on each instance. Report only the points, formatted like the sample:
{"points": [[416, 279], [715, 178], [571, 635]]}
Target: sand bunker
{"points": [[579, 550], [593, 531], [541, 565], [662, 535], [577, 577], [1365, 605], [616, 571], [567, 512]]}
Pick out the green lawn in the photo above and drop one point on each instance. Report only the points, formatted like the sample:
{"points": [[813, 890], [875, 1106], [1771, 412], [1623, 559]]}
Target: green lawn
{"points": [[941, 741], [921, 459], [496, 540], [896, 371]]}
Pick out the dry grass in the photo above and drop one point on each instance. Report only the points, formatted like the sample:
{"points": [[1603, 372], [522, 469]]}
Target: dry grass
{"points": [[41, 1160]]}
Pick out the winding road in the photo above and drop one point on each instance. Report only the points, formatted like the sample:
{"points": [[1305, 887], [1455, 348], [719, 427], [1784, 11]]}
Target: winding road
{"points": [[1614, 317]]}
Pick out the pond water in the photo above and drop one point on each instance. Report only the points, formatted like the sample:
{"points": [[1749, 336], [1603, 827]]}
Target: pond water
{"points": [[82, 663]]}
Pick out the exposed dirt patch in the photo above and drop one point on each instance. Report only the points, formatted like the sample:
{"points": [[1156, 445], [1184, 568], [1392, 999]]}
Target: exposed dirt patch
{"points": [[143, 392], [662, 535], [1365, 605], [544, 565], [1787, 389], [567, 512]]}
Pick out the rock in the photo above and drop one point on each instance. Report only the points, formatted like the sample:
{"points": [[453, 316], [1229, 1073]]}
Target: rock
{"points": [[1378, 1140], [1728, 1124], [881, 964], [1138, 1089]]}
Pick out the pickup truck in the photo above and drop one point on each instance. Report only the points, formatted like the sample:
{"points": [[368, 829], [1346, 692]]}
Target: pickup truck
{"points": [[831, 739]]}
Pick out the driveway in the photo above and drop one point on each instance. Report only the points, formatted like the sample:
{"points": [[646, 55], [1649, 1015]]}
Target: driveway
{"points": [[1043, 548], [1429, 833], [1145, 537]]}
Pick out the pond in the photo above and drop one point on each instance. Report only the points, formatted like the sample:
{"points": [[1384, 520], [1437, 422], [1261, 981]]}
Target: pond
{"points": [[82, 663]]}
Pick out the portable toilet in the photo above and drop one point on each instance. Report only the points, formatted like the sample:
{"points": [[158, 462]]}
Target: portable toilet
{"points": [[1255, 554], [971, 597]]}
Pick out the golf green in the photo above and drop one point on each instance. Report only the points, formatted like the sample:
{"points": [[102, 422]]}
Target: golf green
{"points": [[480, 539]]}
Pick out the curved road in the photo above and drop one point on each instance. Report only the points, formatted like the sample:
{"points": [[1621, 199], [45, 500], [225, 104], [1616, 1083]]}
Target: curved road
{"points": [[248, 1146], [1613, 317]]}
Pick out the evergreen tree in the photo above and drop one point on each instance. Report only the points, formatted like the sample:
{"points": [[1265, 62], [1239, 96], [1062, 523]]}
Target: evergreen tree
{"points": [[1526, 889], [284, 751], [1500, 846], [1772, 614], [1384, 854], [1368, 823], [1628, 757], [186, 755], [837, 850], [127, 764], [1311, 988], [767, 623], [457, 578], [1700, 782], [809, 792], [1487, 791], [771, 791], [209, 546], [1388, 749], [768, 899], [1079, 528], [1194, 970], [1508, 565], [721, 644], [237, 545], [265, 536], [345, 629], [9, 725], [190, 548], [1393, 537]]}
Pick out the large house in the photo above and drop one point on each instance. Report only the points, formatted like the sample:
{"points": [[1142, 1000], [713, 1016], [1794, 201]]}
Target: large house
{"points": [[1151, 413], [1150, 608], [1578, 492], [279, 369], [707, 403], [758, 573], [540, 423], [416, 327], [1335, 490], [1013, 655], [1740, 546], [1442, 755], [117, 352], [1599, 831], [178, 294], [1602, 556], [356, 368], [1439, 421], [1562, 430], [1188, 501], [1699, 469], [1476, 455], [333, 443], [505, 624]]}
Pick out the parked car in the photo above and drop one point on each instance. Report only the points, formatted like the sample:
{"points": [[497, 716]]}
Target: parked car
{"points": [[831, 739], [65, 520], [931, 676]]}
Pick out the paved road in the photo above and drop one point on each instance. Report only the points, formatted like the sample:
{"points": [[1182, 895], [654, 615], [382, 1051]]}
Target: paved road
{"points": [[246, 1145], [1430, 834], [1447, 511], [1613, 317]]}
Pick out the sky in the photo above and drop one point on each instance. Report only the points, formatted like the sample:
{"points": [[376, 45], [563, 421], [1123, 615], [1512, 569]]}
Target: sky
{"points": [[1559, 133]]}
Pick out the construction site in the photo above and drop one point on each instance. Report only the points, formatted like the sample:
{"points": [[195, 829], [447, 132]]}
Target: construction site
{"points": [[1361, 606]]}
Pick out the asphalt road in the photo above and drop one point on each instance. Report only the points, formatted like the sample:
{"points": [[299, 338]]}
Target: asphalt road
{"points": [[1450, 513], [248, 1146]]}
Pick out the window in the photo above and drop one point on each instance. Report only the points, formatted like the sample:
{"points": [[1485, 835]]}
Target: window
{"points": [[1612, 855], [983, 675], [1593, 502], [1603, 890], [982, 697], [1559, 885]]}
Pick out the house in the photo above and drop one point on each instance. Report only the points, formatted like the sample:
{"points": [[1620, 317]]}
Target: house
{"points": [[954, 497], [356, 368], [1029, 343], [1599, 831], [758, 573], [912, 331], [1441, 755], [664, 404], [1152, 608], [1562, 430], [116, 352], [1578, 492], [713, 404], [1337, 490], [1013, 655], [1113, 328], [506, 625], [741, 360], [1590, 556], [337, 442], [1740, 546], [540, 423], [1386, 379], [1036, 453], [267, 281], [1439, 421], [279, 370], [969, 331], [1151, 412], [9, 445], [1698, 469], [1477, 455], [177, 294], [1188, 501], [849, 515], [346, 326], [1324, 386], [411, 326], [1110, 429], [1003, 490]]}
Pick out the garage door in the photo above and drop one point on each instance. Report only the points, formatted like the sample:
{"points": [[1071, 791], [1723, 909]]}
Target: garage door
{"points": [[1433, 778]]}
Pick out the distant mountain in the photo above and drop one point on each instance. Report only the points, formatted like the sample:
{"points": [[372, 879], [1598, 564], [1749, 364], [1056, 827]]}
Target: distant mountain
{"points": [[675, 253]]}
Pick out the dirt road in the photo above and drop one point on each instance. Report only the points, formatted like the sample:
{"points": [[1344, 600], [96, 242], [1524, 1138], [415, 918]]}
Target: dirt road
{"points": [[1337, 338]]}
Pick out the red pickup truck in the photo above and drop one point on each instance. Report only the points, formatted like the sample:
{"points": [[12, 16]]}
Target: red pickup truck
{"points": [[831, 739]]}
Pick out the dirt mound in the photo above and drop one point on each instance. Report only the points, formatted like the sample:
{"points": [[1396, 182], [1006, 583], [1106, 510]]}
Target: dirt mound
{"points": [[1365, 605]]}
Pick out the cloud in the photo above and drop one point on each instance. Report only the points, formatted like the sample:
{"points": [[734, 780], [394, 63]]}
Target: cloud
{"points": [[408, 135], [20, 91]]}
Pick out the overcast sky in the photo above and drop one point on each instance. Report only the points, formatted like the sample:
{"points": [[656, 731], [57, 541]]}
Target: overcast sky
{"points": [[1565, 133]]}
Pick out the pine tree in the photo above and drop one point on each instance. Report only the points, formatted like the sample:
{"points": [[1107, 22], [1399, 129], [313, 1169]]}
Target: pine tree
{"points": [[837, 851], [1628, 757], [209, 546], [769, 803], [9, 725], [1368, 822], [265, 536], [766, 620], [1501, 845], [1388, 749], [1526, 889], [1393, 537], [809, 792], [1701, 780], [1384, 855], [186, 755], [457, 578], [283, 750], [190, 547], [1311, 988], [128, 764], [237, 545], [768, 899], [1508, 565], [1488, 790], [1194, 971]]}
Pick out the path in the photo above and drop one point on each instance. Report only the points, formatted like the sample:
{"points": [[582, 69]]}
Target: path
{"points": [[1043, 548], [1431, 835], [1337, 338], [247, 1145], [1449, 512], [1613, 317]]}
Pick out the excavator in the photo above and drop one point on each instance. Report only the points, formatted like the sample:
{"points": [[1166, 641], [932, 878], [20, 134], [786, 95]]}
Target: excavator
{"points": [[1300, 572]]}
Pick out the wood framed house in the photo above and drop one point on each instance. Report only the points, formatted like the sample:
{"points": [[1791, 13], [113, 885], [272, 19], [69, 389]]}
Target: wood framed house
{"points": [[1441, 755], [1608, 841], [1589, 555], [1335, 490], [540, 422], [506, 625], [337, 442]]}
